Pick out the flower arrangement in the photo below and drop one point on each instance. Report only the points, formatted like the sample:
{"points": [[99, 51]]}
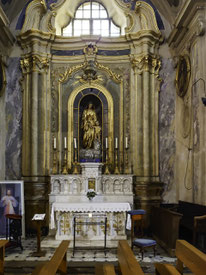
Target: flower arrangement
{"points": [[91, 194]]}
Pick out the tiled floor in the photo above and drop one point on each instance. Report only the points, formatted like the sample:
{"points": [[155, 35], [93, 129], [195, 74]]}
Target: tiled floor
{"points": [[21, 262]]}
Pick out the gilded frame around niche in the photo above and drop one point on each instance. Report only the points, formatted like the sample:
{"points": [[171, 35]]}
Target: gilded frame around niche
{"points": [[2, 78], [183, 75]]}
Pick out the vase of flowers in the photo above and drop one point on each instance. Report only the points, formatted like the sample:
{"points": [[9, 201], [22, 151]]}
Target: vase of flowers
{"points": [[91, 194]]}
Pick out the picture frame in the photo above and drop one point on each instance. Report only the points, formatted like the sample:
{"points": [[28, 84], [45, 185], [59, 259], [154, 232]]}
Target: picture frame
{"points": [[2, 77], [11, 202]]}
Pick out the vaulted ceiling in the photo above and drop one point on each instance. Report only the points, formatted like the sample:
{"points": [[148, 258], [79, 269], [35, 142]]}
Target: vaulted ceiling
{"points": [[167, 8]]}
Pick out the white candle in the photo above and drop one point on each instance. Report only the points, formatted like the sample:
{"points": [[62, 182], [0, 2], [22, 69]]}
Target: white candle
{"points": [[55, 143], [116, 143], [126, 143], [65, 142], [106, 142], [75, 143]]}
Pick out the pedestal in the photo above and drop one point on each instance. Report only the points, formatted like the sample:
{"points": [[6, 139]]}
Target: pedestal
{"points": [[39, 252]]}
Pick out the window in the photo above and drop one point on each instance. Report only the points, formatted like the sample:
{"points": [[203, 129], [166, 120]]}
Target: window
{"points": [[91, 18]]}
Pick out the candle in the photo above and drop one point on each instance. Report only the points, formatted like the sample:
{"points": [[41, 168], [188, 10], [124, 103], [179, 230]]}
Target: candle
{"points": [[65, 142], [75, 143], [126, 143], [116, 143], [106, 142], [55, 143]]}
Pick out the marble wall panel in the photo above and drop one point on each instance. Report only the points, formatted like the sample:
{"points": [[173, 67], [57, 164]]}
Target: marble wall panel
{"points": [[13, 101], [166, 130], [2, 137]]}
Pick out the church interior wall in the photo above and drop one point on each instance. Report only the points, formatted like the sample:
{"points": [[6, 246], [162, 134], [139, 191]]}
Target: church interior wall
{"points": [[182, 130]]}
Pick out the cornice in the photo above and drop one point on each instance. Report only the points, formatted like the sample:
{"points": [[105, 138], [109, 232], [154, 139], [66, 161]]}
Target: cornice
{"points": [[6, 37], [190, 19]]}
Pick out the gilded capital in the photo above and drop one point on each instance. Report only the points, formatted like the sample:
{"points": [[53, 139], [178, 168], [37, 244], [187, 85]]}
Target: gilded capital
{"points": [[25, 65], [39, 63], [148, 63]]}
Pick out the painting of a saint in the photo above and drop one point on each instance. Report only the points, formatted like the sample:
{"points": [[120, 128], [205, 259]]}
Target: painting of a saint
{"points": [[11, 202]]}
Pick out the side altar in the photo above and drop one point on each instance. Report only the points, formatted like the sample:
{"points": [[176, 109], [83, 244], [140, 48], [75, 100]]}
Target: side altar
{"points": [[114, 197]]}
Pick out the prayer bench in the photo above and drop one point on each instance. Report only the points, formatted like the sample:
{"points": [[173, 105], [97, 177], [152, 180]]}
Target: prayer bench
{"points": [[193, 221], [187, 255], [3, 243], [104, 269], [184, 220], [57, 263], [128, 265]]}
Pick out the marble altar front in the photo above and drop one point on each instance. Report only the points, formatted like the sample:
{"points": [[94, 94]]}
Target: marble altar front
{"points": [[68, 195]]}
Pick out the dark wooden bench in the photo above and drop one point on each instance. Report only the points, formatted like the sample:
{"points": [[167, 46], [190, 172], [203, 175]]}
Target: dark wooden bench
{"points": [[104, 269], [165, 227], [187, 255], [178, 221], [2, 254], [193, 220], [57, 263], [128, 265]]}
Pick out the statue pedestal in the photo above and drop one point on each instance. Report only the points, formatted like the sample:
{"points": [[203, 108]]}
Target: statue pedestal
{"points": [[92, 176]]}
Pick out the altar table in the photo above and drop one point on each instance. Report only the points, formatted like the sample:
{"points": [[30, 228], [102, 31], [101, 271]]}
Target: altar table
{"points": [[62, 218]]}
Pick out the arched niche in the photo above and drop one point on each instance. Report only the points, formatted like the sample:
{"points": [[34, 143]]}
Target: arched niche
{"points": [[103, 100], [81, 102]]}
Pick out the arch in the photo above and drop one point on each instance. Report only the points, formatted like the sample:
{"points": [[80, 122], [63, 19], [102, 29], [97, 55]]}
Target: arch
{"points": [[70, 105], [66, 12]]}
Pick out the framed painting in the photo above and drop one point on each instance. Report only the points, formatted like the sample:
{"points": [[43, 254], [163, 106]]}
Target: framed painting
{"points": [[11, 202]]}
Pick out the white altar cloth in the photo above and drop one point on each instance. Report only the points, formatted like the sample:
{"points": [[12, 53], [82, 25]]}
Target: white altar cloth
{"points": [[90, 207]]}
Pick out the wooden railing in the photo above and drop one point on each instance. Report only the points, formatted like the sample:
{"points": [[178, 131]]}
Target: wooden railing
{"points": [[187, 255], [128, 264], [2, 255], [57, 263]]}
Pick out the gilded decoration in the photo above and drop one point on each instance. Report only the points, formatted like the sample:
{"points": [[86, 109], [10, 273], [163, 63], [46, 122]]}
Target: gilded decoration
{"points": [[183, 75], [63, 77], [89, 75], [51, 28], [90, 49], [34, 62], [146, 63], [116, 77], [131, 22]]}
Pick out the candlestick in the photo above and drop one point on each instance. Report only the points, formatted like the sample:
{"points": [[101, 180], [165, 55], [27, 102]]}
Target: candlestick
{"points": [[126, 167], [75, 143], [75, 169], [107, 172], [65, 143], [106, 143], [65, 160], [55, 162], [55, 143], [126, 143], [116, 143], [116, 168]]}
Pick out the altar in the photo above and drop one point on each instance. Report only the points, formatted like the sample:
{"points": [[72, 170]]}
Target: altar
{"points": [[63, 214], [113, 197]]}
